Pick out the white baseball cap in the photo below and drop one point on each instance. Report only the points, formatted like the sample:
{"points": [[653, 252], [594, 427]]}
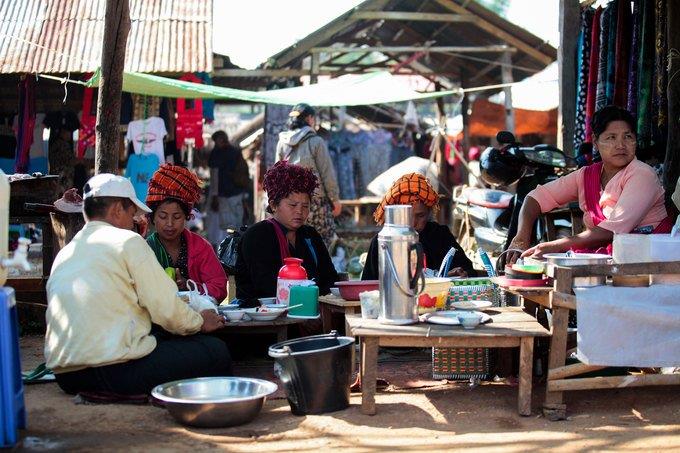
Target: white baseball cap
{"points": [[109, 185]]}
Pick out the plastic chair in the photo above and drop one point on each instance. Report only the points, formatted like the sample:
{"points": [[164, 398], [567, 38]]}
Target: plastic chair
{"points": [[12, 406]]}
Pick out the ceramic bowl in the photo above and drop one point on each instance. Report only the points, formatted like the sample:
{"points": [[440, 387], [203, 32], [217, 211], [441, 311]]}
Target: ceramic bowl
{"points": [[234, 315], [469, 320]]}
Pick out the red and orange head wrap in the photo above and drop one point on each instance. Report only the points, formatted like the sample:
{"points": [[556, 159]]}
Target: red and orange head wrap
{"points": [[408, 189], [173, 181], [283, 179]]}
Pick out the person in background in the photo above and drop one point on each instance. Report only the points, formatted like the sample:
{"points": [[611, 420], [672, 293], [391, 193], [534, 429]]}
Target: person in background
{"points": [[105, 289], [264, 245], [229, 182], [173, 191], [620, 194], [436, 239], [301, 145]]}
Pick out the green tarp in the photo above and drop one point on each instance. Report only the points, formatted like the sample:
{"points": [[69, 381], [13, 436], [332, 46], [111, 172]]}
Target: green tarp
{"points": [[365, 89]]}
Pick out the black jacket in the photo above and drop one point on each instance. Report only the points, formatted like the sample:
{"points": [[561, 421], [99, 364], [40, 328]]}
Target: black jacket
{"points": [[436, 240], [259, 261]]}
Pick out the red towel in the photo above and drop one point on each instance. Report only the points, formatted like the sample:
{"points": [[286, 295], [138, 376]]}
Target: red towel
{"points": [[592, 72]]}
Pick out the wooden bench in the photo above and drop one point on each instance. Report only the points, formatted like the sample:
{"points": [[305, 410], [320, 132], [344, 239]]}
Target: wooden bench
{"points": [[562, 377], [278, 326], [510, 328]]}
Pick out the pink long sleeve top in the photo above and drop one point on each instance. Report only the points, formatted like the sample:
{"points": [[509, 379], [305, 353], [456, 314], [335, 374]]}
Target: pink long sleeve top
{"points": [[633, 198], [204, 267]]}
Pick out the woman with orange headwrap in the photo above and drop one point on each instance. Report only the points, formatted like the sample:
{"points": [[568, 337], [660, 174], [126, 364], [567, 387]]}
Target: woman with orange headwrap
{"points": [[414, 189], [173, 191]]}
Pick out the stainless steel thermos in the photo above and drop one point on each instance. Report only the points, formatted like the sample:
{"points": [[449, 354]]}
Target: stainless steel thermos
{"points": [[400, 261]]}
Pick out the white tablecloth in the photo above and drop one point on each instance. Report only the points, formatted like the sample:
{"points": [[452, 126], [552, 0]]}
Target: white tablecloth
{"points": [[637, 327]]}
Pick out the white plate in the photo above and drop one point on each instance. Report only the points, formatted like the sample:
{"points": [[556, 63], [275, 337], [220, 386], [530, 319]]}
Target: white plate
{"points": [[267, 300], [471, 305], [449, 318]]}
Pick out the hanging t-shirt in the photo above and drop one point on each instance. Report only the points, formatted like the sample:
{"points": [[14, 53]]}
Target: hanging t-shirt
{"points": [[140, 168], [147, 136]]}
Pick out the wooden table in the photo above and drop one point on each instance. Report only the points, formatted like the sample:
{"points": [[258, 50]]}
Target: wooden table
{"points": [[510, 328], [330, 304], [278, 326]]}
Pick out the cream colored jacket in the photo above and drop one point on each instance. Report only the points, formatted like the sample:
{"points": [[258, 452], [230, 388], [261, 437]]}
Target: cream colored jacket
{"points": [[105, 289]]}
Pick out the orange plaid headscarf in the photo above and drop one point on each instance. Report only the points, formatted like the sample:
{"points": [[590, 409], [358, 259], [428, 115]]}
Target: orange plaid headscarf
{"points": [[408, 189], [173, 181]]}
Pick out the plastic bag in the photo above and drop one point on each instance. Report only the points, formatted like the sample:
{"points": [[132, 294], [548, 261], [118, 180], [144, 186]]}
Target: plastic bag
{"points": [[227, 251], [199, 302]]}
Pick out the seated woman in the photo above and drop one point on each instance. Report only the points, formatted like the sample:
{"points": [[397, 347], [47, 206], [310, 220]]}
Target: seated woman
{"points": [[414, 189], [620, 194], [173, 190], [264, 245]]}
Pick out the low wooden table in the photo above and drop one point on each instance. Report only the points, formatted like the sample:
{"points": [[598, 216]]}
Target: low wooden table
{"points": [[330, 304], [278, 326], [510, 328]]}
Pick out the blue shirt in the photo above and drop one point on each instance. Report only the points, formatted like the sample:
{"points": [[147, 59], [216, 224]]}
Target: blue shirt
{"points": [[140, 169]]}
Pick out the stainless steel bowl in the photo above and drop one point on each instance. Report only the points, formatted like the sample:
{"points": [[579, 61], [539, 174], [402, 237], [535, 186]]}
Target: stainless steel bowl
{"points": [[213, 402], [580, 259]]}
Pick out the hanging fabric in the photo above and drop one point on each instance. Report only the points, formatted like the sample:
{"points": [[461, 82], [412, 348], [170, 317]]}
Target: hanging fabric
{"points": [[623, 51], [672, 161], [145, 106], [208, 104], [583, 64], [634, 58], [645, 75], [26, 123], [601, 96], [613, 6], [189, 117], [660, 101], [593, 71], [88, 120]]}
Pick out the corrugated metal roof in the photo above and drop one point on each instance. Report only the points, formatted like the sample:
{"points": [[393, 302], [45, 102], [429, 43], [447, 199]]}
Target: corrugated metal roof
{"points": [[57, 36]]}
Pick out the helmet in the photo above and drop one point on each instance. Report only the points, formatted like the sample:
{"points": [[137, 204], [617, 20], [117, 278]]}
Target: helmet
{"points": [[500, 167]]}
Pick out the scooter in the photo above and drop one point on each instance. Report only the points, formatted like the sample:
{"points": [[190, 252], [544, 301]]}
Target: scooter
{"points": [[491, 215]]}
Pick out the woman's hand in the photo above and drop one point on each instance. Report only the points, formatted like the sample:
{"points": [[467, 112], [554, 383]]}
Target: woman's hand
{"points": [[539, 250], [457, 272], [181, 281], [337, 208], [211, 321], [516, 247]]}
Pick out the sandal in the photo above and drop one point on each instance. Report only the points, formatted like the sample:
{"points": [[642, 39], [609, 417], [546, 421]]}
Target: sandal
{"points": [[40, 374]]}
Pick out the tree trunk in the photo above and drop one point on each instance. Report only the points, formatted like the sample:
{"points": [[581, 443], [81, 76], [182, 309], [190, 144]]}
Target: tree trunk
{"points": [[116, 28]]}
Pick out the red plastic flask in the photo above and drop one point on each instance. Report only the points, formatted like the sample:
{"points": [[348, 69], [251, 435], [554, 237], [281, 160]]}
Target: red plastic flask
{"points": [[291, 273]]}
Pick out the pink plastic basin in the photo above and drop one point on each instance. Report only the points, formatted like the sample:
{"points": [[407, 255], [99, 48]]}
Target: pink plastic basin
{"points": [[350, 290]]}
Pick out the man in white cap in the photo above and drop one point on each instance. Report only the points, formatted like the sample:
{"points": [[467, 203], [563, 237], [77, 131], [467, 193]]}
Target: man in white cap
{"points": [[105, 290]]}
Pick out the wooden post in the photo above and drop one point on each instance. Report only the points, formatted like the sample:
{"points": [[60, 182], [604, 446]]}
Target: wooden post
{"points": [[440, 146], [464, 107], [314, 71], [116, 28], [506, 72], [566, 60]]}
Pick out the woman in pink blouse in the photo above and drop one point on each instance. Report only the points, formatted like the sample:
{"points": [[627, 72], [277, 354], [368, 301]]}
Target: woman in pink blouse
{"points": [[620, 194]]}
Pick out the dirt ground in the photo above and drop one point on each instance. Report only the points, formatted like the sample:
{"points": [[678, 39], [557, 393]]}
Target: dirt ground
{"points": [[445, 417]]}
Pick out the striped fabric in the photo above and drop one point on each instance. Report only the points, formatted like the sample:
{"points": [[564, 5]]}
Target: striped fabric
{"points": [[173, 181], [408, 189]]}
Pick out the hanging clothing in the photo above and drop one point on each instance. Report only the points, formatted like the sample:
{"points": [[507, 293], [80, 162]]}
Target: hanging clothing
{"points": [[623, 40], [611, 52], [672, 169], [593, 72], [583, 64], [88, 121], [208, 104], [26, 118], [660, 98], [645, 75], [140, 169], [144, 106], [147, 136], [189, 118], [601, 96], [631, 105]]}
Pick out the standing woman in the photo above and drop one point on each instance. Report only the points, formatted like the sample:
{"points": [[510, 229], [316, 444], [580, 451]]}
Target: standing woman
{"points": [[302, 146], [173, 190]]}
